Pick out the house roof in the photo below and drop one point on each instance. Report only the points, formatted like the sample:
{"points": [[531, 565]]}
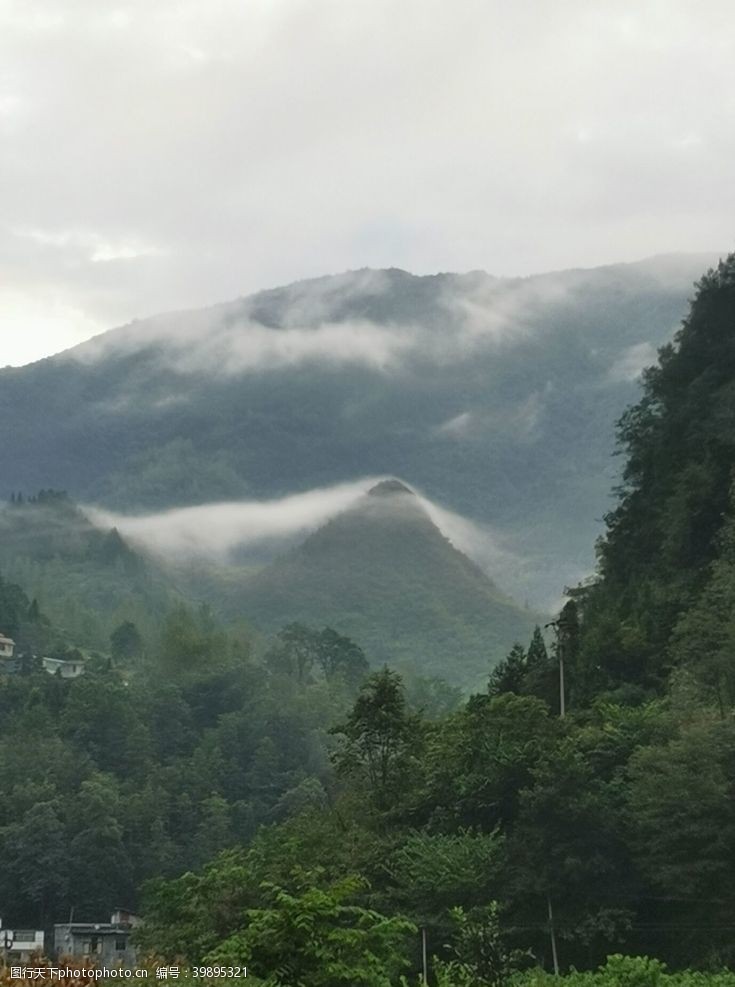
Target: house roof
{"points": [[6, 640]]}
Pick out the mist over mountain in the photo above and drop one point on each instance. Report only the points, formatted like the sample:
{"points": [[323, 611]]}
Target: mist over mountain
{"points": [[384, 574], [495, 397]]}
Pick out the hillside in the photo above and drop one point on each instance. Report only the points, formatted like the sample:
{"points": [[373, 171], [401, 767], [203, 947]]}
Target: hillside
{"points": [[383, 573], [496, 397], [667, 587], [87, 580]]}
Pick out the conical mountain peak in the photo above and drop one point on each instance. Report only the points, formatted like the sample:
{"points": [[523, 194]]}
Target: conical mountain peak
{"points": [[388, 488], [384, 574]]}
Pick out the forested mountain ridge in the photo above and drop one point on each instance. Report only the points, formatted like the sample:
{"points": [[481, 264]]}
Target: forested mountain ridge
{"points": [[496, 397], [667, 553]]}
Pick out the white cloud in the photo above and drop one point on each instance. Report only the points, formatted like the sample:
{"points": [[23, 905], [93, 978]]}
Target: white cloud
{"points": [[207, 342], [215, 530], [457, 426], [94, 246], [255, 143]]}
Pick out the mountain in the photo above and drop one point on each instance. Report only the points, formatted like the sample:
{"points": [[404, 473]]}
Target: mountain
{"points": [[86, 579], [496, 397], [384, 574]]}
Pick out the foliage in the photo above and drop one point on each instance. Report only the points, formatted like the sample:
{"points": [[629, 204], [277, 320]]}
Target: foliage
{"points": [[87, 581], [126, 642], [666, 530], [381, 738], [301, 652], [626, 971], [493, 823], [120, 775], [314, 937], [482, 958]]}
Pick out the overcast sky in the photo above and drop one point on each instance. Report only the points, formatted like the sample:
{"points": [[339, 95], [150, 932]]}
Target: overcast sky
{"points": [[163, 154]]}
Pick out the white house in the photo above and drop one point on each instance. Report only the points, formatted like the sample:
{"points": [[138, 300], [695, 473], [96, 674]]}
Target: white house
{"points": [[21, 944], [8, 659], [64, 668]]}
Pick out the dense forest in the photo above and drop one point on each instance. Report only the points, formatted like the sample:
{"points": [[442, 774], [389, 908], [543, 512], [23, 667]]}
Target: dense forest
{"points": [[285, 806]]}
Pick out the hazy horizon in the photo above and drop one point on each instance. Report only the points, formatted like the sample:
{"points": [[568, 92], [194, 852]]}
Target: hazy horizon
{"points": [[45, 340], [166, 158]]}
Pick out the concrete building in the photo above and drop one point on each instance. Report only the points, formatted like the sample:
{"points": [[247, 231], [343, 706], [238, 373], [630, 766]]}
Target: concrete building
{"points": [[103, 943], [9, 663], [21, 944], [63, 667]]}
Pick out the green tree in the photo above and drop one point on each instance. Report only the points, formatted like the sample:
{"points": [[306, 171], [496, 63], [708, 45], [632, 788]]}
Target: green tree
{"points": [[214, 832], [14, 605], [703, 640], [190, 643], [567, 847], [510, 674], [542, 672], [100, 717], [480, 759], [315, 937], [126, 642], [682, 813], [102, 866], [381, 738], [294, 652], [339, 655], [37, 862], [431, 873], [482, 957]]}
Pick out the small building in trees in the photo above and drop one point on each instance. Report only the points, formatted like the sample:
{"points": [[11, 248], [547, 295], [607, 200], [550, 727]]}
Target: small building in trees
{"points": [[65, 668], [107, 944], [8, 657]]}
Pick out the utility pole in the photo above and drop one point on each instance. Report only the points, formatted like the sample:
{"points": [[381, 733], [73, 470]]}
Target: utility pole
{"points": [[552, 933], [560, 635], [567, 637], [424, 964], [562, 691]]}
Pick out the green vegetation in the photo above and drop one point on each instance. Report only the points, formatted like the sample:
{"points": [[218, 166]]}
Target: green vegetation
{"points": [[320, 826], [626, 971], [612, 826], [87, 581], [148, 768], [380, 573]]}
